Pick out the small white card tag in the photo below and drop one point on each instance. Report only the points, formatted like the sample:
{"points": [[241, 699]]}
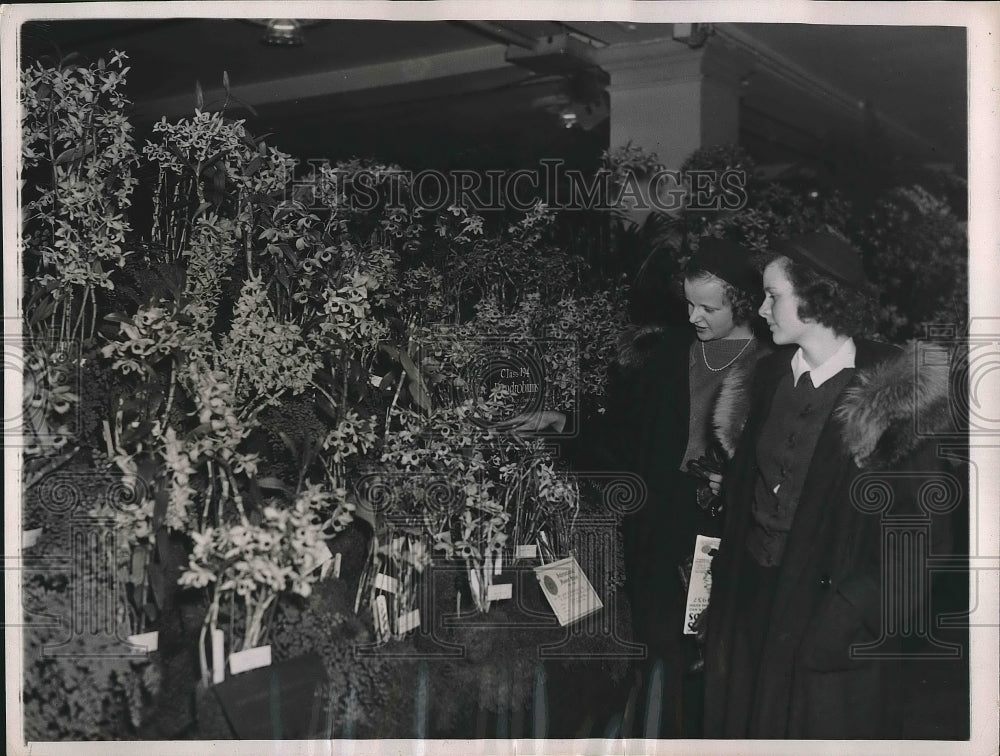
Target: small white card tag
{"points": [[499, 591], [526, 551], [251, 658], [323, 560], [337, 559], [30, 537], [407, 622], [386, 583], [568, 590], [700, 586], [380, 613], [498, 564], [218, 656], [149, 641]]}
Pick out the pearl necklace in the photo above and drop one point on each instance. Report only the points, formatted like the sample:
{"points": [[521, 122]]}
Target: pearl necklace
{"points": [[738, 355]]}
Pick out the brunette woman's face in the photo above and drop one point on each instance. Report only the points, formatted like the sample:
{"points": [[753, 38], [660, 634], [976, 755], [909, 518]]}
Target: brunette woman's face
{"points": [[781, 306], [709, 311]]}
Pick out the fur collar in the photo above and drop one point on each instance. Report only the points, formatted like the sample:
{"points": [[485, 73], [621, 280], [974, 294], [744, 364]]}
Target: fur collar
{"points": [[732, 405], [880, 410]]}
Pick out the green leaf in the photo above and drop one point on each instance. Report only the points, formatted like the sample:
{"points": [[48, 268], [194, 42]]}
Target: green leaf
{"points": [[49, 287], [212, 160], [154, 402], [107, 330], [183, 158], [131, 404], [322, 378], [282, 276], [275, 484], [253, 166], [43, 311], [157, 582], [418, 389], [160, 501], [356, 371], [201, 430], [73, 154], [289, 253], [257, 500], [324, 404], [289, 444], [245, 104], [390, 349]]}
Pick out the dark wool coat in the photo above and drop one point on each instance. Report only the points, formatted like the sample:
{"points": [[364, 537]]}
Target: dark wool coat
{"points": [[828, 593], [649, 438]]}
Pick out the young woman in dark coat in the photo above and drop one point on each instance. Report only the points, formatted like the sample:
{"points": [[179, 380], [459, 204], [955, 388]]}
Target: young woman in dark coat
{"points": [[670, 427], [659, 422], [798, 583]]}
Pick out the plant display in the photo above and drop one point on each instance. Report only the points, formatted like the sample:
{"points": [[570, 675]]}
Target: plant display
{"points": [[75, 132], [917, 249], [78, 684], [913, 243], [48, 400], [269, 366], [258, 292]]}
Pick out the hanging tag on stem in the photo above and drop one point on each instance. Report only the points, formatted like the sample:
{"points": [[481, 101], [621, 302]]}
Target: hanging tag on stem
{"points": [[218, 656]]}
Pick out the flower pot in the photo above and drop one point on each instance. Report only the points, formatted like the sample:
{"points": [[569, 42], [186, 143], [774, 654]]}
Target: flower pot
{"points": [[282, 701], [212, 723]]}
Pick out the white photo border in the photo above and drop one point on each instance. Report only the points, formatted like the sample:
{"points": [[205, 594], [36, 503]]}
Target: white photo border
{"points": [[982, 21]]}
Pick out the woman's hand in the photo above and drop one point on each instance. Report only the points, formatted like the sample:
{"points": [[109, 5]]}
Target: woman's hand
{"points": [[534, 422], [715, 482]]}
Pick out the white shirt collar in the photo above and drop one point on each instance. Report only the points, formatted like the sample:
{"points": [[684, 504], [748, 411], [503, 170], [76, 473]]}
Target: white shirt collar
{"points": [[840, 360]]}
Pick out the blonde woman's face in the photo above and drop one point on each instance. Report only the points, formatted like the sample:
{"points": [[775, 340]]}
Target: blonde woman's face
{"points": [[709, 311]]}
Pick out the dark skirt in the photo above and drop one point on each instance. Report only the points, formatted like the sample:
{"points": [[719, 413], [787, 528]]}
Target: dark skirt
{"points": [[657, 542], [753, 610]]}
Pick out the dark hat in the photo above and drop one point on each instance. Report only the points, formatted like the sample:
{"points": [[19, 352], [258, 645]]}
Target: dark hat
{"points": [[826, 255], [729, 261]]}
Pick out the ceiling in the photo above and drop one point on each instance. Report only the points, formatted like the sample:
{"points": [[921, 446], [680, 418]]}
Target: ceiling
{"points": [[914, 76], [440, 86]]}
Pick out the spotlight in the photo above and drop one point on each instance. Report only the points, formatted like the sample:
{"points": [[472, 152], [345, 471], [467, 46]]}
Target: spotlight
{"points": [[283, 32]]}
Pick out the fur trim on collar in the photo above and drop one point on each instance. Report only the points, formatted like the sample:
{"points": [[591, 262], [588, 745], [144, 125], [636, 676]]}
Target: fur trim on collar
{"points": [[732, 405], [881, 408]]}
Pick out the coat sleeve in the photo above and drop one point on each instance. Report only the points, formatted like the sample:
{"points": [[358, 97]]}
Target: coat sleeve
{"points": [[624, 436], [882, 590]]}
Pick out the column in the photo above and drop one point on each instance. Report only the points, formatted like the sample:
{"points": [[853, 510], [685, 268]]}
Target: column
{"points": [[671, 99]]}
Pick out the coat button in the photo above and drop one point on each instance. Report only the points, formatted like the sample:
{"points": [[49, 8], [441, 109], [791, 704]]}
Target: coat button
{"points": [[825, 581]]}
